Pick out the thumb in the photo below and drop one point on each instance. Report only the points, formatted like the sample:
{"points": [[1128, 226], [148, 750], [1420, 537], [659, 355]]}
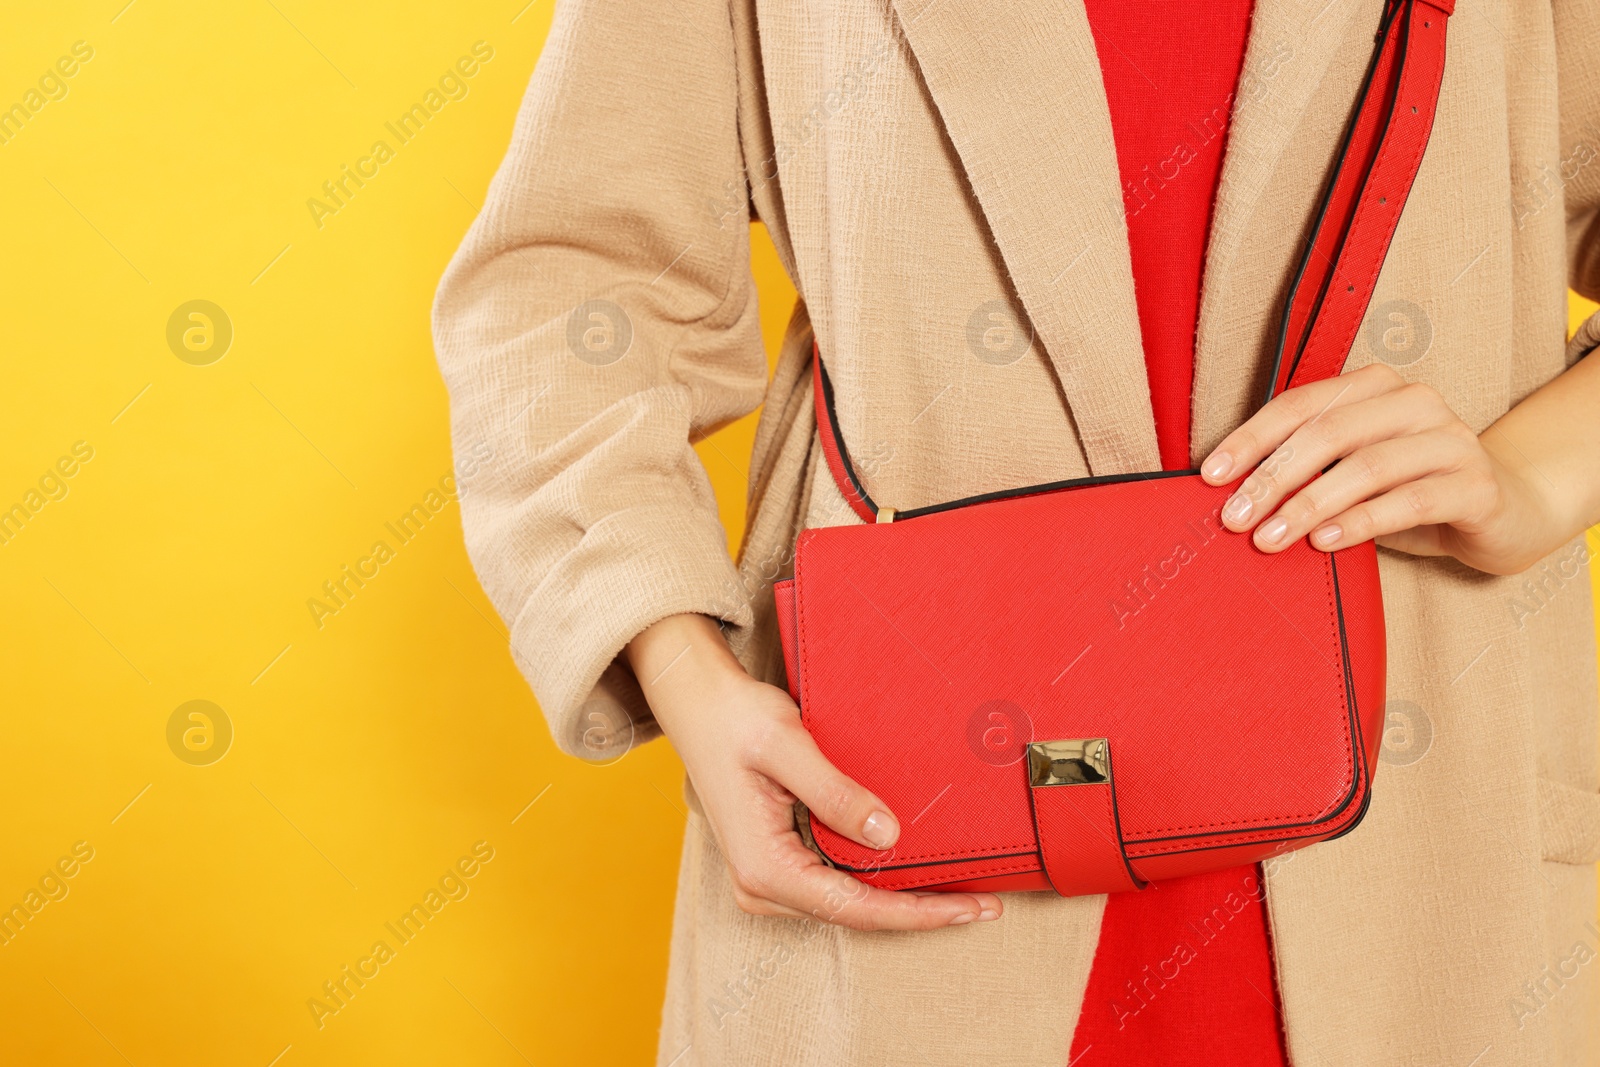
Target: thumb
{"points": [[843, 804]]}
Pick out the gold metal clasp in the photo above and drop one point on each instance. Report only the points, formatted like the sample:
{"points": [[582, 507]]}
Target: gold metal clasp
{"points": [[886, 514], [1073, 761]]}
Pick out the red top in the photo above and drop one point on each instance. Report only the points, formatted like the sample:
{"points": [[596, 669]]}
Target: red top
{"points": [[1170, 81], [1183, 974]]}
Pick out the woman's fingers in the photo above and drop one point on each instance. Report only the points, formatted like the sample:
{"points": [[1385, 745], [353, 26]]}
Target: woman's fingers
{"points": [[1441, 498], [792, 759], [847, 902], [1363, 474], [1341, 431], [1395, 463], [776, 874], [749, 765], [799, 885], [1266, 430]]}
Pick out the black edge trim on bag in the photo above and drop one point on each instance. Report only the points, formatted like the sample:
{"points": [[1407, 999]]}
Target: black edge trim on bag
{"points": [[832, 862], [1362, 769], [1046, 487], [1116, 826], [1358, 756], [838, 437], [981, 498]]}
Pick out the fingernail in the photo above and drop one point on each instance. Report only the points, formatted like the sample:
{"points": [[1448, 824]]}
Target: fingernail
{"points": [[1237, 510], [1327, 535], [1272, 531], [988, 915], [963, 919], [1216, 468], [880, 830]]}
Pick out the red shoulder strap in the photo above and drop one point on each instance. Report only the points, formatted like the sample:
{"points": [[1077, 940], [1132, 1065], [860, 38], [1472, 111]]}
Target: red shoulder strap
{"points": [[1356, 221], [1361, 209], [833, 450]]}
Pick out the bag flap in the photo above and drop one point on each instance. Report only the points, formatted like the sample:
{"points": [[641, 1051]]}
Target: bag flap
{"points": [[932, 651]]}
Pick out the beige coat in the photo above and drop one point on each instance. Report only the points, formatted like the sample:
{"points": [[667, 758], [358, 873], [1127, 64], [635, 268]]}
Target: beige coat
{"points": [[936, 173]]}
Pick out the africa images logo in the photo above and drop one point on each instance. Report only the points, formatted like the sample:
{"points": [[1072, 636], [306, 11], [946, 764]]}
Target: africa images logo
{"points": [[452, 85]]}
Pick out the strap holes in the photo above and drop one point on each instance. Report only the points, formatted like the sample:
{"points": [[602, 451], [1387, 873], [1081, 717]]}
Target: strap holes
{"points": [[1383, 199], [1413, 109], [1351, 289]]}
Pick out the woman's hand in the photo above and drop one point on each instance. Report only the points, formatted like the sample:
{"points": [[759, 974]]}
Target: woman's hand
{"points": [[749, 758], [1406, 471]]}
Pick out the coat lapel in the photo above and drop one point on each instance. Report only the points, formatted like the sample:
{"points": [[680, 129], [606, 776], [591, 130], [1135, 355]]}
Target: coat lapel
{"points": [[1020, 92], [1291, 45], [1018, 88]]}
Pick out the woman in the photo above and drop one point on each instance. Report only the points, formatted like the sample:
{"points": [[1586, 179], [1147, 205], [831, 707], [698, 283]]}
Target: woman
{"points": [[942, 179]]}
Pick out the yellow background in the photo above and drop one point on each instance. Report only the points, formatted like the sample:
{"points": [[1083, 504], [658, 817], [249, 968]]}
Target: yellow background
{"points": [[368, 754]]}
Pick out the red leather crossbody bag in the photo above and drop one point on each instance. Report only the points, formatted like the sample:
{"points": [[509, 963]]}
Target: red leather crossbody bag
{"points": [[1090, 684]]}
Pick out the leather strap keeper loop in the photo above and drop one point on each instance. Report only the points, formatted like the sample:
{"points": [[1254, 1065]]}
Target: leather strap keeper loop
{"points": [[1075, 816]]}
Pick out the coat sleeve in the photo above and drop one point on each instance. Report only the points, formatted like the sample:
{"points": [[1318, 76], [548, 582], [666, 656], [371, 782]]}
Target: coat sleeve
{"points": [[1577, 35], [598, 319]]}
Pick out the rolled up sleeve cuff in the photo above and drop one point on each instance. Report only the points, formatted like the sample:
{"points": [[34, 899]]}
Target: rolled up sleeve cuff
{"points": [[1586, 340], [630, 570]]}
